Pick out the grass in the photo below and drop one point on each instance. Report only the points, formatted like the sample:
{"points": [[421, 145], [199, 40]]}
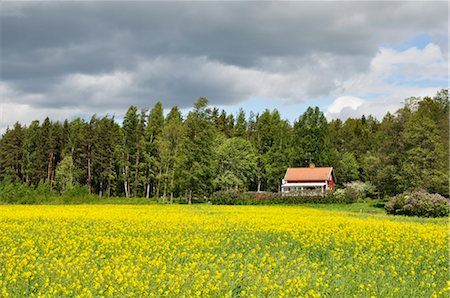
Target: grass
{"points": [[372, 206]]}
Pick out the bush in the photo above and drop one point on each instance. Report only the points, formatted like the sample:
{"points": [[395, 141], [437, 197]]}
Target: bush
{"points": [[340, 196], [268, 198], [418, 203], [21, 193], [358, 190]]}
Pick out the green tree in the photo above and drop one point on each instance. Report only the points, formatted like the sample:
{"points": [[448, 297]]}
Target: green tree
{"points": [[241, 125], [311, 139], [131, 132], [153, 170], [199, 164], [34, 159], [424, 157], [11, 153], [236, 160], [347, 169], [65, 174], [172, 153], [106, 138]]}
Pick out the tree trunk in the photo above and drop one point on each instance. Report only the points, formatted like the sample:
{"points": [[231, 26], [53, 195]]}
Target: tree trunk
{"points": [[165, 180], [172, 178], [108, 190], [126, 189], [136, 176], [158, 186], [259, 184], [147, 193], [101, 189], [125, 181], [89, 176], [50, 169], [125, 171]]}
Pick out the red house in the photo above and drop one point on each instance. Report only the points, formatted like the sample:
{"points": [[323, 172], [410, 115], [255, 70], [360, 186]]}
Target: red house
{"points": [[307, 180]]}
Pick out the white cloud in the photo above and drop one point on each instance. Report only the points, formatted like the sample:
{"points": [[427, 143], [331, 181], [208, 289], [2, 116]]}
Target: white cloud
{"points": [[20, 107], [93, 89], [413, 63], [393, 76], [344, 102], [352, 107], [13, 112]]}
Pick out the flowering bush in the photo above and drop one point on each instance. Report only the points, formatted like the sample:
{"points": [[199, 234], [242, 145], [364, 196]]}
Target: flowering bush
{"points": [[358, 190], [340, 196], [418, 203]]}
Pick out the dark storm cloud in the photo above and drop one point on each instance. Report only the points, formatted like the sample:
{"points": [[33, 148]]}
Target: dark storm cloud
{"points": [[68, 53]]}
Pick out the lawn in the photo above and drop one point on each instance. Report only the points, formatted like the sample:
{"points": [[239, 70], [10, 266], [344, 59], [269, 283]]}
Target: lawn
{"points": [[231, 251]]}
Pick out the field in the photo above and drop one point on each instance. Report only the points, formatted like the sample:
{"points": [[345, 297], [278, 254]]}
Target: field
{"points": [[231, 251]]}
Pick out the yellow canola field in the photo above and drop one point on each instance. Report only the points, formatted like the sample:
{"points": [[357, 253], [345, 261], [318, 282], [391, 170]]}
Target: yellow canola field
{"points": [[218, 251]]}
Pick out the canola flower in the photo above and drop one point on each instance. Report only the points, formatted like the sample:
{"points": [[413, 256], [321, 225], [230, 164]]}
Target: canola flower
{"points": [[218, 251]]}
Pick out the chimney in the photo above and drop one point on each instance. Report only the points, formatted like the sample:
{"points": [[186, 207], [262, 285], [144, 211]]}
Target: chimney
{"points": [[312, 166]]}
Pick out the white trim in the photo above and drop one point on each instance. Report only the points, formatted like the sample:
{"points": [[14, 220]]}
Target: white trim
{"points": [[304, 184], [286, 186]]}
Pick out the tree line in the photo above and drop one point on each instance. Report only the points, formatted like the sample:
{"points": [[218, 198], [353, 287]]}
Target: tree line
{"points": [[152, 155]]}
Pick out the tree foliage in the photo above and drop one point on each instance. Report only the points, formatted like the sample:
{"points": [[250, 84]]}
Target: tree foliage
{"points": [[207, 150]]}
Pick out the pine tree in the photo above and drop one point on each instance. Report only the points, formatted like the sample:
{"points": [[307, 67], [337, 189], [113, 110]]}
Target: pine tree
{"points": [[130, 133], [106, 137], [34, 159], [11, 153], [311, 139], [171, 152], [241, 125], [199, 145], [152, 169]]}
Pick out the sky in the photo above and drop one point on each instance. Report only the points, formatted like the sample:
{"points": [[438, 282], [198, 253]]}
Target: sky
{"points": [[68, 59]]}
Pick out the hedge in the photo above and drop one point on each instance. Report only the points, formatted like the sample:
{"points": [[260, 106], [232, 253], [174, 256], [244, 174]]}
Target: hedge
{"points": [[269, 198]]}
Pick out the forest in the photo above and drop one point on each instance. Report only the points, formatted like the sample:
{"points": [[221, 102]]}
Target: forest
{"points": [[155, 155]]}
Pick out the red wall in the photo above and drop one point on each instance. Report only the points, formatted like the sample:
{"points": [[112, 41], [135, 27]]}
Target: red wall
{"points": [[331, 184]]}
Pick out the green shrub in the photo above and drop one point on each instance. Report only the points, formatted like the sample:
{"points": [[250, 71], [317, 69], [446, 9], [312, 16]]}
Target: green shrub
{"points": [[268, 198], [340, 196], [358, 190], [418, 203], [21, 193]]}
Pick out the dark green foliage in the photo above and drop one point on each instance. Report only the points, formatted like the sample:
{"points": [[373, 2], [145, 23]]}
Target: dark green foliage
{"points": [[268, 198], [106, 137], [192, 156], [21, 193], [11, 153], [172, 154], [418, 203], [236, 158], [358, 190], [311, 139], [240, 129], [347, 168], [272, 139], [200, 135]]}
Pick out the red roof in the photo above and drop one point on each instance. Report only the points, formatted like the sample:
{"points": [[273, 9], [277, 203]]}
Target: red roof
{"points": [[308, 174]]}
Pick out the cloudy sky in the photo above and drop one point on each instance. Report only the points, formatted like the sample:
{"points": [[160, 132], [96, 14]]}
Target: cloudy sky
{"points": [[68, 59]]}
